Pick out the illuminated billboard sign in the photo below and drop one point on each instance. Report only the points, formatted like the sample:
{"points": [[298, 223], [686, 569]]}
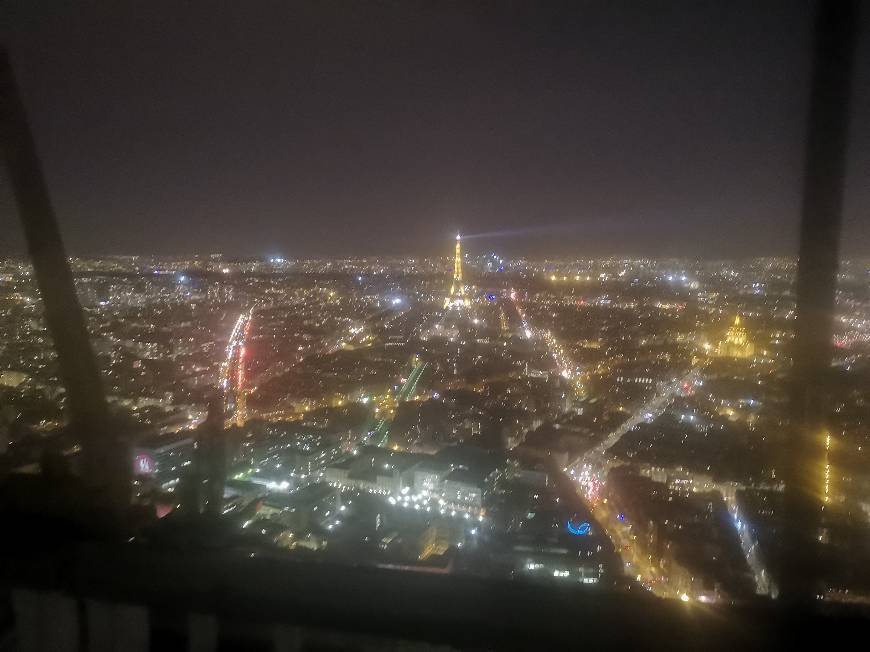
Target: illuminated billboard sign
{"points": [[577, 527]]}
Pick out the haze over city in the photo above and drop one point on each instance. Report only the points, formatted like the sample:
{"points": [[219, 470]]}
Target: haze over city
{"points": [[320, 129]]}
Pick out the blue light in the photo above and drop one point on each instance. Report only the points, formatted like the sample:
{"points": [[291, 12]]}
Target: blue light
{"points": [[490, 296], [621, 517], [580, 529]]}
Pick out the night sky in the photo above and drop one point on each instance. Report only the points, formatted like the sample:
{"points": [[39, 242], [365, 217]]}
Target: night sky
{"points": [[366, 128]]}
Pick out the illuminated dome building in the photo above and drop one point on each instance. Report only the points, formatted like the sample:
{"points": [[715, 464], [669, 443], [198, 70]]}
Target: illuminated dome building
{"points": [[736, 343]]}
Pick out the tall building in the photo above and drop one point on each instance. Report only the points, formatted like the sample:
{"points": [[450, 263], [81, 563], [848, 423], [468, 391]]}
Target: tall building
{"points": [[736, 343], [457, 296]]}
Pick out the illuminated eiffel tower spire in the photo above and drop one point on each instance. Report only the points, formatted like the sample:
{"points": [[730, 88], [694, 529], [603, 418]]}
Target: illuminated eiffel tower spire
{"points": [[457, 289]]}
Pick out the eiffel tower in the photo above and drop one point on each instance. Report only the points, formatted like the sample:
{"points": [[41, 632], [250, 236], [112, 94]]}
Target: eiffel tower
{"points": [[457, 297]]}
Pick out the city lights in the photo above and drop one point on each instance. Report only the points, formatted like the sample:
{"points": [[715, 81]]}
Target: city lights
{"points": [[427, 419]]}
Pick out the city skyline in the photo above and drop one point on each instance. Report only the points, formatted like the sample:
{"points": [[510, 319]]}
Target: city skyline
{"points": [[474, 391], [340, 320]]}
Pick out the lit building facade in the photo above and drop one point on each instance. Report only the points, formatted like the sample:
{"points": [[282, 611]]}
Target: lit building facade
{"points": [[736, 343]]}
